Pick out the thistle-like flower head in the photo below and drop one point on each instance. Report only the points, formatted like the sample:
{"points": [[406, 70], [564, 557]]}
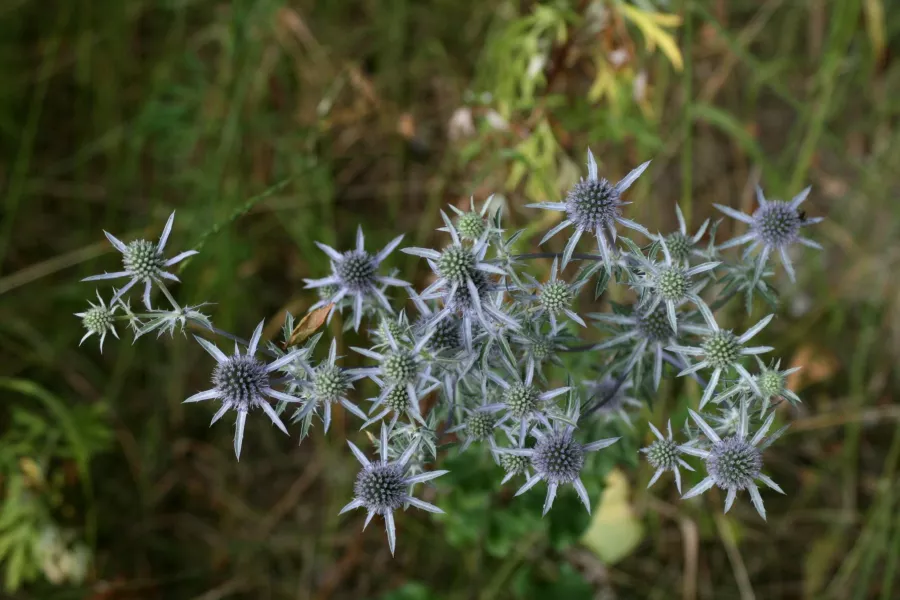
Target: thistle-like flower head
{"points": [[774, 227], [734, 463], [664, 454], [722, 350], [143, 261], [241, 382], [354, 274], [558, 458], [383, 487], [593, 205], [98, 320]]}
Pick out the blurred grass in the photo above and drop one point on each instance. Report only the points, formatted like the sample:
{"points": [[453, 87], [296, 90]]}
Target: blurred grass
{"points": [[271, 124]]}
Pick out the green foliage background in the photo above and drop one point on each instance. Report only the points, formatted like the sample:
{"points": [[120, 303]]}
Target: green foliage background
{"points": [[269, 124]]}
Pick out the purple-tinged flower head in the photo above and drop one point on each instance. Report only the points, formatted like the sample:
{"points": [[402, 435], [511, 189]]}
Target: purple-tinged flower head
{"points": [[558, 458], [669, 283], [354, 274], [649, 332], [521, 400], [383, 487], [479, 424], [722, 350], [326, 385], [771, 382], [241, 382], [775, 226], [663, 454], [143, 261], [594, 205], [555, 297], [463, 283], [99, 320], [734, 463], [681, 245]]}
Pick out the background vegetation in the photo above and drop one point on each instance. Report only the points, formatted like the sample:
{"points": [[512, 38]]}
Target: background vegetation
{"points": [[269, 124]]}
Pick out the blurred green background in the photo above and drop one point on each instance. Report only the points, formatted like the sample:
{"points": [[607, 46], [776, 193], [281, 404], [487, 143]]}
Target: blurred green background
{"points": [[269, 124]]}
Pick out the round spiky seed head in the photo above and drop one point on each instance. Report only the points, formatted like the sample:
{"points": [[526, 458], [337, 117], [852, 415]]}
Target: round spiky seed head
{"points": [[655, 327], [679, 246], [541, 349], [556, 296], [513, 463], [662, 454], [446, 333], [142, 259], [672, 283], [771, 383], [480, 425], [462, 299], [592, 203], [722, 349], [734, 463], [240, 380], [98, 319], [397, 399], [776, 224], [521, 400], [558, 458], [327, 292], [381, 487], [396, 328], [329, 383], [356, 270], [457, 264], [399, 367], [471, 226]]}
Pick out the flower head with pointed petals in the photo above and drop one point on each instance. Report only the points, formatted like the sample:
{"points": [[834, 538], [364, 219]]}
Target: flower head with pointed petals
{"points": [[734, 463], [241, 382], [593, 205], [722, 350], [774, 227], [354, 274], [382, 487], [557, 458], [99, 320], [664, 455], [143, 261]]}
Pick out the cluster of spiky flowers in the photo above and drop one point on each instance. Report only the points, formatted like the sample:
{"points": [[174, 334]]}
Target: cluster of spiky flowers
{"points": [[485, 361]]}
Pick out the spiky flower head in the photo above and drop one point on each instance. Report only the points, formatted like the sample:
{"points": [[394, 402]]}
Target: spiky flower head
{"points": [[329, 382], [663, 454], [556, 296], [354, 274], [397, 399], [558, 458], [143, 261], [771, 382], [680, 246], [399, 367], [514, 464], [471, 226], [480, 425], [734, 463], [98, 320], [721, 349], [457, 264], [521, 400], [241, 382], [654, 326], [672, 283], [774, 226], [446, 334], [383, 486], [593, 205]]}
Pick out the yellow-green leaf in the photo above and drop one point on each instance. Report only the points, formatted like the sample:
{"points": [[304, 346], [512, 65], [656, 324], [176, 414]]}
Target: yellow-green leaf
{"points": [[614, 531]]}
